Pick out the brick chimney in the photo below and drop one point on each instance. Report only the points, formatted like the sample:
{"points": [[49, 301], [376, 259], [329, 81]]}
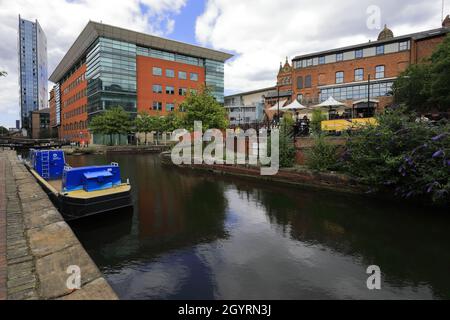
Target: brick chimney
{"points": [[446, 22]]}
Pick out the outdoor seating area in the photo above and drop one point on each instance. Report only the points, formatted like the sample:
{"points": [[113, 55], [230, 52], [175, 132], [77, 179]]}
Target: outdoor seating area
{"points": [[339, 116]]}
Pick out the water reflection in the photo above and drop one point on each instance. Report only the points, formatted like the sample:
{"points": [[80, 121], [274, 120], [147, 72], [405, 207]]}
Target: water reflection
{"points": [[203, 237]]}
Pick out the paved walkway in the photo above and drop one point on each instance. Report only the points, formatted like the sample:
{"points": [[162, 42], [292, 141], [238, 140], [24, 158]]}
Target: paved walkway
{"points": [[36, 245], [3, 266]]}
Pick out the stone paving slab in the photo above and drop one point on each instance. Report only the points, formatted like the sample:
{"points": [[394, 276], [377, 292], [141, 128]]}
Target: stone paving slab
{"points": [[38, 246], [95, 290], [51, 238], [3, 260], [53, 274]]}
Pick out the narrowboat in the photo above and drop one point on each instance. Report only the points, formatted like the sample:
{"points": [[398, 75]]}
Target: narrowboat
{"points": [[79, 192]]}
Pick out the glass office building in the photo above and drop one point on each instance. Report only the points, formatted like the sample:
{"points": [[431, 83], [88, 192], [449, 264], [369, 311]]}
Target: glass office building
{"points": [[33, 75], [111, 76], [109, 66]]}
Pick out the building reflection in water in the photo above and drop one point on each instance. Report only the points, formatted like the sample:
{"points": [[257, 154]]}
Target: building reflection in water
{"points": [[195, 236]]}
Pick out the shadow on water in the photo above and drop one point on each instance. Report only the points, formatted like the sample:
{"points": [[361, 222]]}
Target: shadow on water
{"points": [[199, 236]]}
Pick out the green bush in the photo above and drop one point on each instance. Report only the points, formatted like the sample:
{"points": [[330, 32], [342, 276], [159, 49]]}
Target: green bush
{"points": [[410, 158], [316, 121], [322, 156], [287, 147]]}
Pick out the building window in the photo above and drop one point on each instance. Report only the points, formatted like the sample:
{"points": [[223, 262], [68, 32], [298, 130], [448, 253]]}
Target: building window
{"points": [[359, 53], [194, 76], [299, 82], [339, 56], [309, 62], [379, 72], [170, 73], [157, 106], [157, 71], [157, 88], [403, 46], [380, 50], [182, 75], [300, 98], [321, 60], [182, 91], [170, 107], [359, 74], [340, 77], [308, 82], [170, 90]]}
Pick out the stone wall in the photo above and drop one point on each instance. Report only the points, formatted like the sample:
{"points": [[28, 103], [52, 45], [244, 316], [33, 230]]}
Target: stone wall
{"points": [[40, 244]]}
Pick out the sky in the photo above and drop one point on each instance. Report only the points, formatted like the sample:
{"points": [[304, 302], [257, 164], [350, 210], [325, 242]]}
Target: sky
{"points": [[260, 33]]}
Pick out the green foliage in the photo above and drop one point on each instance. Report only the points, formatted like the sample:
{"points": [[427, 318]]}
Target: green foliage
{"points": [[111, 122], [143, 124], [412, 88], [426, 86], [287, 147], [316, 121], [322, 156], [440, 75], [408, 157], [3, 130], [203, 107], [172, 122]]}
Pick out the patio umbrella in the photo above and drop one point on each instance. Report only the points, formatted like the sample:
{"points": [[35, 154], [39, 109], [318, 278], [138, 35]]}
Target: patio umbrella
{"points": [[294, 106], [330, 103], [275, 107]]}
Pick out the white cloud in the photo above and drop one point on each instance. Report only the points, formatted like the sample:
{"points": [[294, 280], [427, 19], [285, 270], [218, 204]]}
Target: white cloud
{"points": [[62, 21], [263, 32]]}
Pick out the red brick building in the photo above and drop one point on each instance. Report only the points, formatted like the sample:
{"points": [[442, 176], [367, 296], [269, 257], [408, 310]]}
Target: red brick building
{"points": [[163, 85], [74, 125], [344, 73]]}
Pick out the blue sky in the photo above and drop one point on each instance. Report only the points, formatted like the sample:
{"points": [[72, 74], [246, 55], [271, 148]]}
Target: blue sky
{"points": [[185, 21]]}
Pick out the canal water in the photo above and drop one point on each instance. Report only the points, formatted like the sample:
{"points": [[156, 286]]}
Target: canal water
{"points": [[199, 236]]}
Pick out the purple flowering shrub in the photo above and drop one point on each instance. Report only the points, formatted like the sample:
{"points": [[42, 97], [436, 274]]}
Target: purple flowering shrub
{"points": [[401, 155]]}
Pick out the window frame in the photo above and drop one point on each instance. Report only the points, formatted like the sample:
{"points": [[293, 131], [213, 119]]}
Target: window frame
{"points": [[173, 73], [170, 92], [196, 76], [182, 72], [359, 51], [160, 88], [156, 74], [377, 73], [359, 77], [342, 78], [379, 50]]}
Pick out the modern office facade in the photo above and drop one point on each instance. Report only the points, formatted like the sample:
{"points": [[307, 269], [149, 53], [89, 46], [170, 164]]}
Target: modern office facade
{"points": [[109, 66], [33, 77], [348, 73], [246, 108], [40, 124]]}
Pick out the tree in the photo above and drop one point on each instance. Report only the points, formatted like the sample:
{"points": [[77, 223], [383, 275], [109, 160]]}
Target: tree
{"points": [[143, 124], [316, 122], [426, 86], [412, 88], [113, 121], [440, 75], [202, 106], [3, 130], [3, 73]]}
